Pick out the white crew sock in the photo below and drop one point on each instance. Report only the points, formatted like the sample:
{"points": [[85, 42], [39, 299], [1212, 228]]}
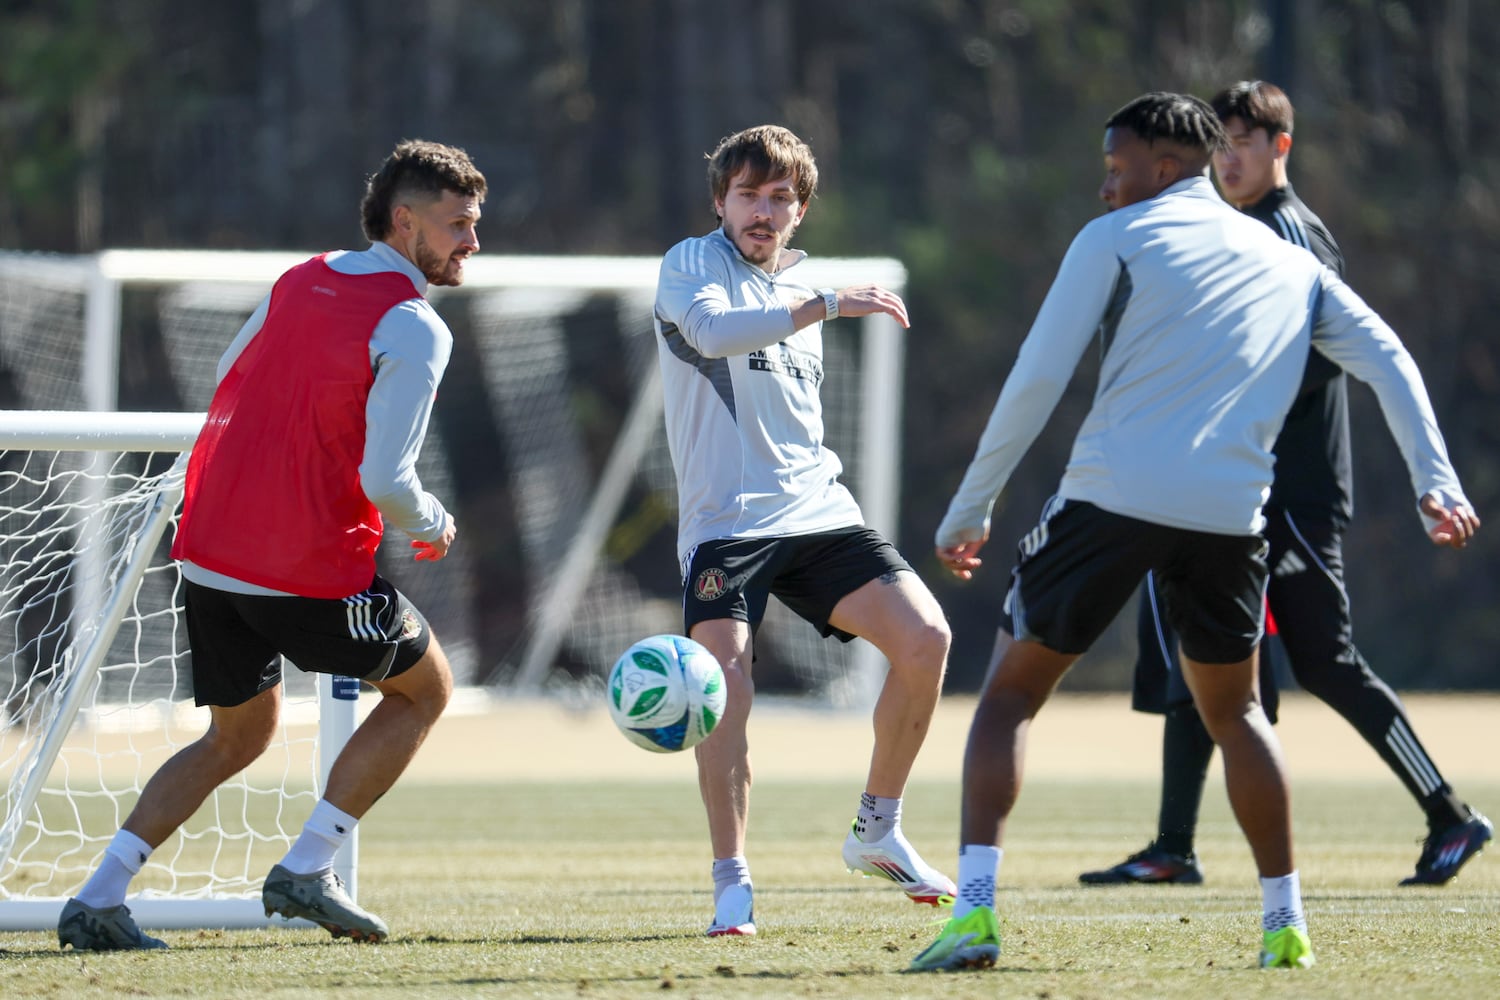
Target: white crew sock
{"points": [[877, 817], [326, 830], [1281, 903], [728, 872], [123, 860], [978, 867]]}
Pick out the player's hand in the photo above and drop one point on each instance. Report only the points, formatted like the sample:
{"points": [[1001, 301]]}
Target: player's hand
{"points": [[961, 560], [866, 300], [437, 548], [1455, 526]]}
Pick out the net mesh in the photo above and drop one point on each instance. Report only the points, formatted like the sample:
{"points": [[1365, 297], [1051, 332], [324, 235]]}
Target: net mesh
{"points": [[70, 523], [41, 342]]}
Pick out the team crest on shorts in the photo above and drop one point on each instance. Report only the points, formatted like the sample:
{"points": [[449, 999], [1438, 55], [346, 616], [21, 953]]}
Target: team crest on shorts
{"points": [[710, 585], [411, 627]]}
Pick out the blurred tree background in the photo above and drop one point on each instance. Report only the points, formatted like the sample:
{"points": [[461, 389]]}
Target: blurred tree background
{"points": [[959, 136]]}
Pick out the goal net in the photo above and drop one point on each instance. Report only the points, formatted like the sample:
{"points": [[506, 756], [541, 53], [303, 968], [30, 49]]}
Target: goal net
{"points": [[94, 674]]}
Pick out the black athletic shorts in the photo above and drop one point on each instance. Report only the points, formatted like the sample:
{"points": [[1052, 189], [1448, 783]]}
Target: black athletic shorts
{"points": [[1079, 566], [810, 574], [238, 640], [1159, 685], [1306, 596]]}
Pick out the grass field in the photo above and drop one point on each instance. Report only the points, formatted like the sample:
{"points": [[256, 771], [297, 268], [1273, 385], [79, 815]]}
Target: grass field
{"points": [[532, 853]]}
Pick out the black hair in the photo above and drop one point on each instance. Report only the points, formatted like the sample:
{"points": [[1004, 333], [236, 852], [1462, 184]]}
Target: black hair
{"points": [[1260, 104], [1177, 118]]}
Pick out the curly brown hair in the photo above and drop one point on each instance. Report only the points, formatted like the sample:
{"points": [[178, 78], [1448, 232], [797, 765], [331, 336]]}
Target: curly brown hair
{"points": [[419, 170], [771, 152]]}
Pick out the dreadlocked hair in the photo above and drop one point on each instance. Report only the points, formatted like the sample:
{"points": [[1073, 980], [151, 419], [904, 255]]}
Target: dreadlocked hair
{"points": [[1176, 118]]}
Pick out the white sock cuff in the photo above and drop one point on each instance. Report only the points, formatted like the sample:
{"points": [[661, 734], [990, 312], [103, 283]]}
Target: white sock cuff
{"points": [[1281, 902], [736, 867], [329, 819], [130, 850], [1291, 882], [978, 867]]}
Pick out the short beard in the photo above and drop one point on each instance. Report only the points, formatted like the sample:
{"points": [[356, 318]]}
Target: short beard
{"points": [[433, 267], [775, 247]]}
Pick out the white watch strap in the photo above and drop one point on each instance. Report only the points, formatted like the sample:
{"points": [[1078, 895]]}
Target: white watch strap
{"points": [[830, 303]]}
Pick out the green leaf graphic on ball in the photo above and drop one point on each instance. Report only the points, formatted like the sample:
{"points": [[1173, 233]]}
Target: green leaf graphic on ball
{"points": [[666, 693], [645, 701]]}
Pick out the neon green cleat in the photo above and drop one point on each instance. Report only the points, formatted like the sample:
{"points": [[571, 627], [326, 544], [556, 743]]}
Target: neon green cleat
{"points": [[968, 942], [1287, 948]]}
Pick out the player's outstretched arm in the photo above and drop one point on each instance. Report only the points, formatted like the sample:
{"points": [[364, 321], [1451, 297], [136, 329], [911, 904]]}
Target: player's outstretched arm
{"points": [[854, 301], [1454, 526], [866, 300]]}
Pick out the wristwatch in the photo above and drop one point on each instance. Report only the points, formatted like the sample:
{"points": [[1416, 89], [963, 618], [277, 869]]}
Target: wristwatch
{"points": [[830, 302]]}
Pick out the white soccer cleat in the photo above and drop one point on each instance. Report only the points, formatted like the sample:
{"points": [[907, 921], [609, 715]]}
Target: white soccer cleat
{"points": [[734, 913], [892, 857]]}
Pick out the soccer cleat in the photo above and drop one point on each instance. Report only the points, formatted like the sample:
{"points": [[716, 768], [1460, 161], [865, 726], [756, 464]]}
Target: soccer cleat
{"points": [[109, 929], [892, 857], [1444, 852], [1287, 948], [320, 898], [971, 941], [1150, 865], [734, 913]]}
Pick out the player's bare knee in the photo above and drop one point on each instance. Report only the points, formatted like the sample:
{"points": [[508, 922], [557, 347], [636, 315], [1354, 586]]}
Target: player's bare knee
{"points": [[1229, 722], [921, 653], [237, 735], [434, 688], [229, 750], [427, 684], [739, 688]]}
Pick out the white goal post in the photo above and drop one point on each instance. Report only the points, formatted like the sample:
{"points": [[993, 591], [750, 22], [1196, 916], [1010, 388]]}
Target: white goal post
{"points": [[95, 677]]}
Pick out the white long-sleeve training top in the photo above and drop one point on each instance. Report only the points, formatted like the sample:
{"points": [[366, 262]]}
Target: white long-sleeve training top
{"points": [[1205, 317], [743, 415]]}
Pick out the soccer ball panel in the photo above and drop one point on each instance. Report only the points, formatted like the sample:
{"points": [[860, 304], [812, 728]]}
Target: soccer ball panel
{"points": [[666, 693]]}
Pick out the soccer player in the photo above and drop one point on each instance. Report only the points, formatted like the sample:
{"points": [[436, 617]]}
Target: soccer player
{"points": [[1308, 510], [762, 511], [310, 446], [1204, 318]]}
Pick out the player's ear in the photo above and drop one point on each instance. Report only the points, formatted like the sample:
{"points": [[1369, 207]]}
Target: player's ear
{"points": [[1168, 171], [1283, 143], [402, 220]]}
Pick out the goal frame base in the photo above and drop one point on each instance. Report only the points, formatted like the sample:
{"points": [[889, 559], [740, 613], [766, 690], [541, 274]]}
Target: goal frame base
{"points": [[155, 912]]}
